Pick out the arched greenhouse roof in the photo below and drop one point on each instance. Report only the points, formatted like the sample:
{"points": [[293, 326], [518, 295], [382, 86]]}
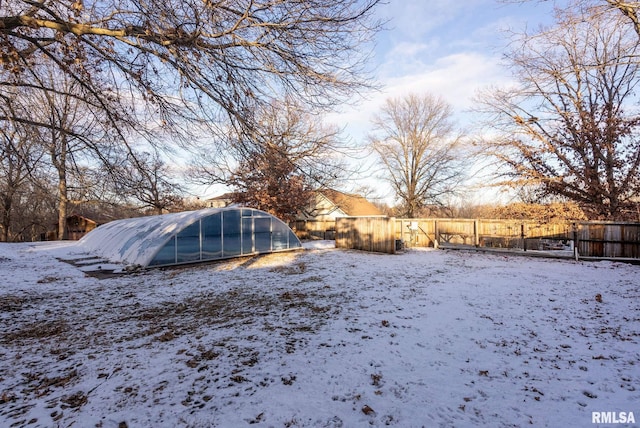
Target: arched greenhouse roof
{"points": [[190, 237]]}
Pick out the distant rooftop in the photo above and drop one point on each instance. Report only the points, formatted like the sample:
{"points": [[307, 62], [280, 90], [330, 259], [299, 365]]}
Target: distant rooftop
{"points": [[352, 205]]}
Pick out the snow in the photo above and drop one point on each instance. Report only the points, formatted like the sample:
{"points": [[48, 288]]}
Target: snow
{"points": [[136, 241], [321, 337]]}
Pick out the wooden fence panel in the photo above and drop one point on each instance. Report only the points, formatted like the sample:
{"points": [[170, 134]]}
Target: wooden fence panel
{"points": [[376, 234], [609, 240], [456, 231], [631, 241], [502, 233], [416, 232], [612, 240], [323, 229], [549, 230], [592, 239]]}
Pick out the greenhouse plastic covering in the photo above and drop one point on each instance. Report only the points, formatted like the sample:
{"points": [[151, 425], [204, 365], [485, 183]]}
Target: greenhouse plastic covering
{"points": [[190, 237]]}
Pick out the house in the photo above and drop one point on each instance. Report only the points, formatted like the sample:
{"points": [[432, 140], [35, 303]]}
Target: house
{"points": [[330, 204], [221, 201], [319, 218], [77, 227]]}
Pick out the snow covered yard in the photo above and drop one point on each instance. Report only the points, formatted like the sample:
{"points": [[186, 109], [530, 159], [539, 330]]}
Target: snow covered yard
{"points": [[323, 337]]}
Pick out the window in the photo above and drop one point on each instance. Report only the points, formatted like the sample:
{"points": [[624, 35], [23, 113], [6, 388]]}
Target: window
{"points": [[262, 234], [166, 255], [212, 237], [280, 236], [188, 241], [231, 233], [247, 234]]}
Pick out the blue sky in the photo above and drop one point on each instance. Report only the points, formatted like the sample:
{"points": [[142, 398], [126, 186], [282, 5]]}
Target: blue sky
{"points": [[443, 47], [447, 48]]}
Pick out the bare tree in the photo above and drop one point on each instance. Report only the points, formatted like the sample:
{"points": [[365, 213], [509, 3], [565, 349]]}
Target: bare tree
{"points": [[277, 168], [177, 65], [417, 144], [192, 60], [69, 131], [629, 9], [571, 126], [19, 158], [146, 178], [36, 206]]}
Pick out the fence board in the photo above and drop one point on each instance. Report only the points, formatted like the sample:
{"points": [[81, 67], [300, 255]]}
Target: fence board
{"points": [[376, 234]]}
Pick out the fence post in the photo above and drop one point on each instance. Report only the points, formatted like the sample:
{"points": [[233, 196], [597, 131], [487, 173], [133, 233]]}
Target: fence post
{"points": [[436, 233], [523, 236], [391, 231], [576, 255], [476, 233]]}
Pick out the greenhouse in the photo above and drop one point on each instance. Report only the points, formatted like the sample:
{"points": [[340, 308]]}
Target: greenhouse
{"points": [[190, 237]]}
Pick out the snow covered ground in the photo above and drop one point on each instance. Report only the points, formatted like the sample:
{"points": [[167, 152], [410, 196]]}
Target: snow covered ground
{"points": [[321, 337]]}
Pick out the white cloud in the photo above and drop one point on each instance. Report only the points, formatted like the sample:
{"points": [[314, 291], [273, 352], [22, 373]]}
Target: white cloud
{"points": [[416, 19], [449, 49], [456, 78]]}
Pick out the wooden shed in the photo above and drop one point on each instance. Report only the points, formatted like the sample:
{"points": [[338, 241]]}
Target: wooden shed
{"points": [[77, 227]]}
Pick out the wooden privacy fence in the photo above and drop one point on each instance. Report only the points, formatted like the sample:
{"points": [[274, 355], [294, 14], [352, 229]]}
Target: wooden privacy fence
{"points": [[616, 240], [322, 229], [589, 239], [376, 234], [479, 233]]}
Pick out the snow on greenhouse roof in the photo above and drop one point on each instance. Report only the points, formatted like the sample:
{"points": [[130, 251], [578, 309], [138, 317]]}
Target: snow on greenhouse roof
{"points": [[137, 241]]}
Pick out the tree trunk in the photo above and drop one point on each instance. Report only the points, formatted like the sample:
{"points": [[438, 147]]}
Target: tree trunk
{"points": [[6, 219], [63, 201], [59, 160]]}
